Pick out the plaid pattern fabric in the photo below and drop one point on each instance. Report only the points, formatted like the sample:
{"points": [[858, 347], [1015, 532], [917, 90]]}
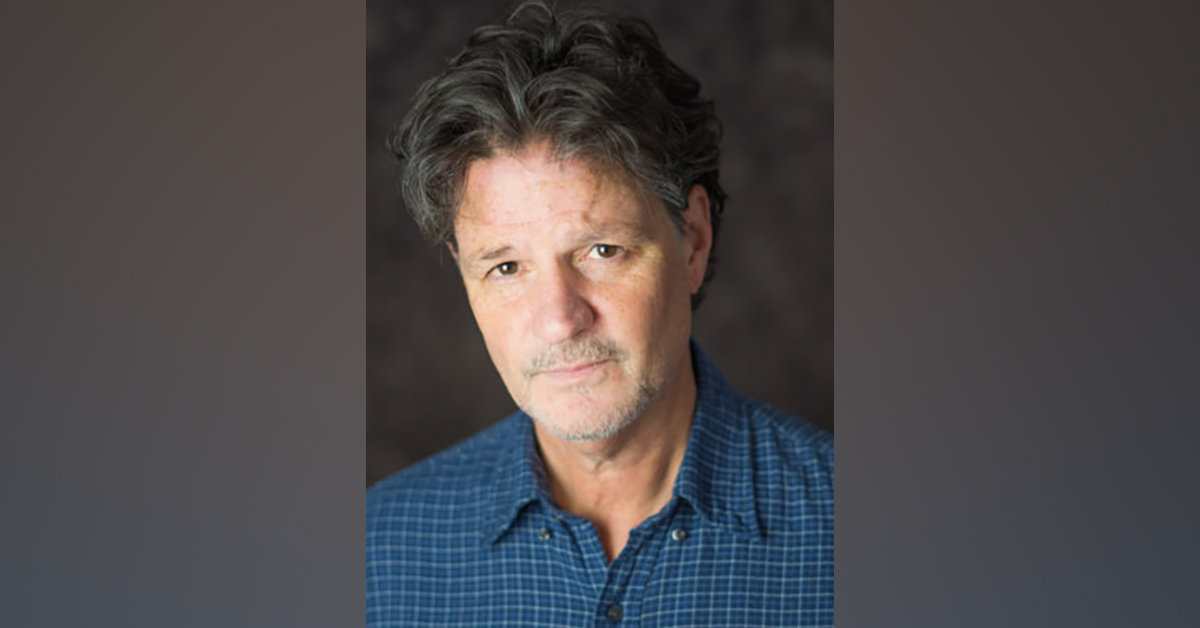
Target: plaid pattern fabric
{"points": [[472, 537]]}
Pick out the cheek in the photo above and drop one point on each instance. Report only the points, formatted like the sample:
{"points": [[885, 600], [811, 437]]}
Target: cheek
{"points": [[496, 324], [675, 308], [649, 307]]}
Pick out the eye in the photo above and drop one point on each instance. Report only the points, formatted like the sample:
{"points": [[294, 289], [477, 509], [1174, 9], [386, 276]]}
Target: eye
{"points": [[505, 268], [606, 251]]}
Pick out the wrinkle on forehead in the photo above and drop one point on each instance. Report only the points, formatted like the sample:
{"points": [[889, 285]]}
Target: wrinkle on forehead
{"points": [[498, 192], [582, 184]]}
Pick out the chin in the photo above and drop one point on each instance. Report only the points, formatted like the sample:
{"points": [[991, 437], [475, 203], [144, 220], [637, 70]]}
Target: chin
{"points": [[574, 423], [584, 430]]}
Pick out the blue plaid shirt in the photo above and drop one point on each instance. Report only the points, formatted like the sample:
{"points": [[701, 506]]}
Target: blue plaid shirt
{"points": [[473, 537]]}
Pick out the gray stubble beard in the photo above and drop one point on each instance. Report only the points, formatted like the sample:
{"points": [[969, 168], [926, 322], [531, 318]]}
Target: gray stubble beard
{"points": [[619, 418]]}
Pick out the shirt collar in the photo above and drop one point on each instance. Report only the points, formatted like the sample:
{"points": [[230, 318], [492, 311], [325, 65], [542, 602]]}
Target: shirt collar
{"points": [[715, 477], [520, 479]]}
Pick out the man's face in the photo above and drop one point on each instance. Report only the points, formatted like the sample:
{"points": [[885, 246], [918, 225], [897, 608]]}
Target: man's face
{"points": [[580, 286]]}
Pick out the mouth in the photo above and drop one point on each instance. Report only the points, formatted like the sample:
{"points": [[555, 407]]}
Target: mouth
{"points": [[575, 371]]}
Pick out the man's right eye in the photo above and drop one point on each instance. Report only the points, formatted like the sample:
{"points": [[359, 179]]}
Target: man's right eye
{"points": [[506, 269]]}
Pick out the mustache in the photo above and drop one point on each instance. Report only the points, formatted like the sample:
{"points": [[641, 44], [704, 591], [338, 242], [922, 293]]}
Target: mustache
{"points": [[573, 352]]}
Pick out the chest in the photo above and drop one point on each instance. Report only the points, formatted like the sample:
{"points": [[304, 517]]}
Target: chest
{"points": [[682, 570]]}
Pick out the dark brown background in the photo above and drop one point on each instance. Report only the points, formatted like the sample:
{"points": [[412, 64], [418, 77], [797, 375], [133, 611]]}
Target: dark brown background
{"points": [[768, 319]]}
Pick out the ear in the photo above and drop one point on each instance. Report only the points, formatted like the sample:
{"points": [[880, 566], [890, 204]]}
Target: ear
{"points": [[453, 252], [697, 236]]}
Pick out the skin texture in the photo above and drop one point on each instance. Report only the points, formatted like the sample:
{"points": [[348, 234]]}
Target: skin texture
{"points": [[580, 286]]}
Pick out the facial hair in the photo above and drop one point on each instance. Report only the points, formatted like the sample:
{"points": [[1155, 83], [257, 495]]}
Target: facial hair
{"points": [[605, 421]]}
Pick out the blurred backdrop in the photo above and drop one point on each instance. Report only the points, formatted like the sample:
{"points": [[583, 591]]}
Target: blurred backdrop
{"points": [[768, 317]]}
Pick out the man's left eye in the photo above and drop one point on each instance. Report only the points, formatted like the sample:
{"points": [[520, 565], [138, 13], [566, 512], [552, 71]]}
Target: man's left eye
{"points": [[606, 250]]}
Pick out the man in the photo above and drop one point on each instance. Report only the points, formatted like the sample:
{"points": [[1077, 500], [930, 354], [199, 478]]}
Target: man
{"points": [[571, 170]]}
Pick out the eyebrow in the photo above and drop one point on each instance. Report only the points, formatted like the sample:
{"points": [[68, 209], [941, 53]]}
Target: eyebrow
{"points": [[622, 230], [491, 254]]}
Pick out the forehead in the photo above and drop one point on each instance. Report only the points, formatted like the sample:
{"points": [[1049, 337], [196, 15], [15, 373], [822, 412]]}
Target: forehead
{"points": [[534, 189]]}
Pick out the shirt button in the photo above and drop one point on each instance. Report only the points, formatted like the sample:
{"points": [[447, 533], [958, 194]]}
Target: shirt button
{"points": [[545, 534], [615, 613], [678, 534]]}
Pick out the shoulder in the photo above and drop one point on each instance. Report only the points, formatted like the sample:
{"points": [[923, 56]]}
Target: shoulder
{"points": [[450, 479], [790, 443], [425, 524]]}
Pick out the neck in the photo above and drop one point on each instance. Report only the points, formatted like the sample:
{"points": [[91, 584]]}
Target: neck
{"points": [[616, 483]]}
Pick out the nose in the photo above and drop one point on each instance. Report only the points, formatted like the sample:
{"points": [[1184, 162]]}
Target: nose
{"points": [[560, 309]]}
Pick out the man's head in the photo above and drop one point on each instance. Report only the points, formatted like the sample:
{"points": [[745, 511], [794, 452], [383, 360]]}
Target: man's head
{"points": [[590, 83], [572, 168]]}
